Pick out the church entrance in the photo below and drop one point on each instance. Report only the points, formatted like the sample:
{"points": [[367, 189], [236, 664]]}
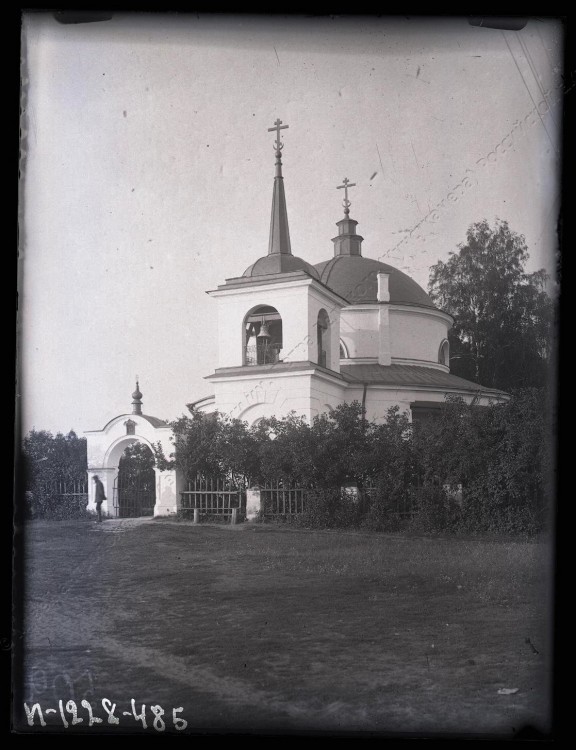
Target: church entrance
{"points": [[135, 485]]}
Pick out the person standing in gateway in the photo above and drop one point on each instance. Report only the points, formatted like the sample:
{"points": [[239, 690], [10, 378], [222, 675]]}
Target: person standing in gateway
{"points": [[100, 496]]}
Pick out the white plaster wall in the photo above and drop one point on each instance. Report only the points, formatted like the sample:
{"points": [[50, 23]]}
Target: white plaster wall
{"points": [[325, 395], [381, 333], [105, 448], [169, 485], [359, 329], [416, 334], [379, 400], [298, 304], [250, 398], [277, 395], [316, 302], [107, 445]]}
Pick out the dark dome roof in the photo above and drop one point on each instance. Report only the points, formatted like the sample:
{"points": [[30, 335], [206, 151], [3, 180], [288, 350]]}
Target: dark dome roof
{"points": [[356, 279], [280, 263]]}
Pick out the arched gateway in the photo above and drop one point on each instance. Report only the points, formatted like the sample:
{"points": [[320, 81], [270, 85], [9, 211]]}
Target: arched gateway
{"points": [[105, 449]]}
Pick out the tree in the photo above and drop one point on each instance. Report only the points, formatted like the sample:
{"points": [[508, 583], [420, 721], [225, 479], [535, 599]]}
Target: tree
{"points": [[212, 445], [50, 463], [136, 461], [503, 327], [53, 458]]}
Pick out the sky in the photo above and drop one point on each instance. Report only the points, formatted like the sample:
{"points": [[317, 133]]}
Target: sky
{"points": [[147, 172]]}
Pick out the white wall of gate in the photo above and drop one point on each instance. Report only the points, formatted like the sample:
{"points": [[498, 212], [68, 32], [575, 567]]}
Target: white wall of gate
{"points": [[106, 446]]}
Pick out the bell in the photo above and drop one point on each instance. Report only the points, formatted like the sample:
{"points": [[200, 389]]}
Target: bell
{"points": [[263, 334]]}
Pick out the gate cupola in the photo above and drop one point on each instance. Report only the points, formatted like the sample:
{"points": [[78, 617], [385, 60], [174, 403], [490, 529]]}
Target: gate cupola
{"points": [[137, 400]]}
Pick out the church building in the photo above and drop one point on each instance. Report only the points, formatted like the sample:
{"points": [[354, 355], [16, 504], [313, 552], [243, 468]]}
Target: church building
{"points": [[302, 337], [293, 336]]}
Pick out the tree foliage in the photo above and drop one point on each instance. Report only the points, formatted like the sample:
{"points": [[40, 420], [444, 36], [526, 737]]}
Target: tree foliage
{"points": [[53, 458], [137, 461], [48, 463], [473, 469], [503, 327]]}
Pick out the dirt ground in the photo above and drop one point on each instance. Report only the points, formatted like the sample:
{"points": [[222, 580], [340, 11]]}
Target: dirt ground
{"points": [[263, 629]]}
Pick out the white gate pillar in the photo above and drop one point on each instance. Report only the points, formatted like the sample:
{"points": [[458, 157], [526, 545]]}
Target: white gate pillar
{"points": [[107, 477], [253, 503], [169, 485]]}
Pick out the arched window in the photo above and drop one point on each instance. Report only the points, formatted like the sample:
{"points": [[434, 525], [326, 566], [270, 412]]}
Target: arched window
{"points": [[343, 350], [444, 353], [323, 338], [262, 336]]}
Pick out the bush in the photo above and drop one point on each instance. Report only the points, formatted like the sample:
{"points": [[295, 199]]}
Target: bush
{"points": [[328, 509], [47, 503], [385, 508]]}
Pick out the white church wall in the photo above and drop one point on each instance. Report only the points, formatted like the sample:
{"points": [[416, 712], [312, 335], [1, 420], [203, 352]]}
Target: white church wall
{"points": [[325, 395], [291, 301], [317, 301], [250, 397], [380, 399], [359, 329], [298, 303], [277, 394], [417, 334]]}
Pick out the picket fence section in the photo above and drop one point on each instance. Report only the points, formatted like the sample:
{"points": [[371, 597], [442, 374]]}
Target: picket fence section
{"points": [[218, 497], [279, 500], [212, 496]]}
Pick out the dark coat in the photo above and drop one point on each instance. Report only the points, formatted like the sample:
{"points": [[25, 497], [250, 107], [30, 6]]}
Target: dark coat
{"points": [[100, 496]]}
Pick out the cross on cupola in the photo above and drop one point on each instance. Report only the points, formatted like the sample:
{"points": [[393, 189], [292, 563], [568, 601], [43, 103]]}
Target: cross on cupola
{"points": [[347, 242], [278, 127], [346, 203]]}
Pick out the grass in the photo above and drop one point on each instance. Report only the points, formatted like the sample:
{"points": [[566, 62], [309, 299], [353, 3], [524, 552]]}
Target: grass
{"points": [[273, 629]]}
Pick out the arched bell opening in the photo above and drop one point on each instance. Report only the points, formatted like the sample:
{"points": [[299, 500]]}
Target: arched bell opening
{"points": [[323, 339], [262, 331]]}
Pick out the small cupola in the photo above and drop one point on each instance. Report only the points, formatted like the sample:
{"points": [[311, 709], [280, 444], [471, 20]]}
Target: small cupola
{"points": [[347, 242], [137, 400]]}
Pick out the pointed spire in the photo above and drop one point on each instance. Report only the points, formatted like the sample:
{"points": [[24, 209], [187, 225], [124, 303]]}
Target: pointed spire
{"points": [[279, 242], [347, 242], [137, 400]]}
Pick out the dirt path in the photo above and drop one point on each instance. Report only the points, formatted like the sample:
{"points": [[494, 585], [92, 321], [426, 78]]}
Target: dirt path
{"points": [[274, 631]]}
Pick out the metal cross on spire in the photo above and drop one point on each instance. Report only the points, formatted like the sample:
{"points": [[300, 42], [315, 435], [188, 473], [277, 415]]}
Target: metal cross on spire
{"points": [[346, 203], [278, 127]]}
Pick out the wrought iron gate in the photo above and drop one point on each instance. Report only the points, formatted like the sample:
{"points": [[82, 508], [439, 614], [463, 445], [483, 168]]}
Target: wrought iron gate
{"points": [[134, 496]]}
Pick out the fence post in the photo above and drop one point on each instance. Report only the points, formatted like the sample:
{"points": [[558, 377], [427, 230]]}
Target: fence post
{"points": [[196, 515], [234, 516], [253, 503]]}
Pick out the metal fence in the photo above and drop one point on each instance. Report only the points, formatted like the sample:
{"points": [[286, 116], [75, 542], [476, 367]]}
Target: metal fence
{"points": [[262, 354], [405, 507], [133, 497], [59, 497], [212, 496]]}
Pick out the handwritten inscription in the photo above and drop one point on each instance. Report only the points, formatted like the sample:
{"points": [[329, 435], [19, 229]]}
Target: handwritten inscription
{"points": [[151, 717]]}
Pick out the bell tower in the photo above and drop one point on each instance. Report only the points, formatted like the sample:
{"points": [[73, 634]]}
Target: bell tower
{"points": [[277, 322]]}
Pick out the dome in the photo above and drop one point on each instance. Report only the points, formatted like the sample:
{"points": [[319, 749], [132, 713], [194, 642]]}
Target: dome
{"points": [[356, 279], [280, 263]]}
